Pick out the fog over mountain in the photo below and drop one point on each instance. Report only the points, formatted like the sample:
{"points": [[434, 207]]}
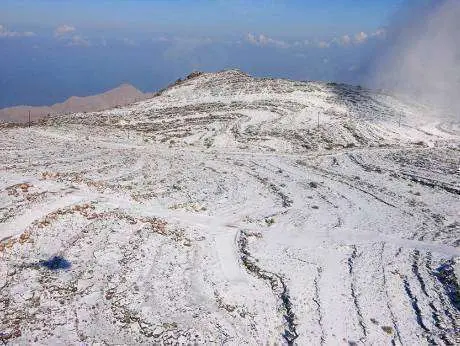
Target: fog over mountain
{"points": [[422, 55]]}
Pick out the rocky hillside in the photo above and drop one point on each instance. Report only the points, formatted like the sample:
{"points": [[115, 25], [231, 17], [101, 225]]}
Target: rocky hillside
{"points": [[233, 210]]}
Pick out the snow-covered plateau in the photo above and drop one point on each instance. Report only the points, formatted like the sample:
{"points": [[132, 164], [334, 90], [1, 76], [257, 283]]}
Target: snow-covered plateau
{"points": [[233, 210]]}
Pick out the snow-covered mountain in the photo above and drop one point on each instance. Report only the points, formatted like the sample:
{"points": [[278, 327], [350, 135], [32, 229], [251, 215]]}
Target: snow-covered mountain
{"points": [[233, 210]]}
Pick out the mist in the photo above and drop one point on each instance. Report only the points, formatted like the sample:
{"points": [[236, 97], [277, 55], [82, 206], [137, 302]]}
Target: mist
{"points": [[422, 56]]}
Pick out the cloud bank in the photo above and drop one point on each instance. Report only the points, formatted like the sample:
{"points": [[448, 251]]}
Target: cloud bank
{"points": [[263, 40], [345, 40], [4, 32], [64, 30], [68, 34]]}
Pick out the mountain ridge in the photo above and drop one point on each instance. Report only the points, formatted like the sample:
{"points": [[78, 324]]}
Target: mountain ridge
{"points": [[119, 96]]}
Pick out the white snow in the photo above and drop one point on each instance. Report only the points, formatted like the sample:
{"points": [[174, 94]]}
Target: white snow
{"points": [[221, 212]]}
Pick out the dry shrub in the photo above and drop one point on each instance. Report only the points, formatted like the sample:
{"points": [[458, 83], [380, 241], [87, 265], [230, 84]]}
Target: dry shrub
{"points": [[50, 175], [24, 237]]}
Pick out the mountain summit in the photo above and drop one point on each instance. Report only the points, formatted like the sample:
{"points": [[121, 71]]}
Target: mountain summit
{"points": [[231, 109]]}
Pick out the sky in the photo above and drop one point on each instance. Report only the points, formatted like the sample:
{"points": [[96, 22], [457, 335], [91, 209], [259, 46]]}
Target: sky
{"points": [[51, 50]]}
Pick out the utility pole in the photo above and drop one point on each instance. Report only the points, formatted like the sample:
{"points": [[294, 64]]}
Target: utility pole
{"points": [[29, 118], [318, 136], [318, 120]]}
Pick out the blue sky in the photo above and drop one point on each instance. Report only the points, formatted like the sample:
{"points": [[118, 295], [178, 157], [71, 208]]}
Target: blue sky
{"points": [[211, 17], [54, 49]]}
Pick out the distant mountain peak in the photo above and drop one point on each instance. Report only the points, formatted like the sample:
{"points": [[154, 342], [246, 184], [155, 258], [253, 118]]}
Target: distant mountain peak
{"points": [[121, 95]]}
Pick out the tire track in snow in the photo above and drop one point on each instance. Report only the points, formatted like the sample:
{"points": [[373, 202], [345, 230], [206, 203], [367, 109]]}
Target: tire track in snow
{"points": [[388, 301], [417, 311], [354, 294], [317, 301], [277, 284]]}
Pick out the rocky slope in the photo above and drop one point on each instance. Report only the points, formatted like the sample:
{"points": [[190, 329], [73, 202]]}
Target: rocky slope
{"points": [[233, 210]]}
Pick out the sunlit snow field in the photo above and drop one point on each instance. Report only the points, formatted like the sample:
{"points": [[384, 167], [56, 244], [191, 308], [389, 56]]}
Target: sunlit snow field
{"points": [[233, 210]]}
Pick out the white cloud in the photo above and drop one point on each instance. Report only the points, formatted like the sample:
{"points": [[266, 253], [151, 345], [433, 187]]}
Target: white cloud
{"points": [[361, 37], [64, 30], [77, 40], [263, 41], [380, 33], [67, 34], [357, 39], [252, 39], [4, 32], [345, 40]]}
